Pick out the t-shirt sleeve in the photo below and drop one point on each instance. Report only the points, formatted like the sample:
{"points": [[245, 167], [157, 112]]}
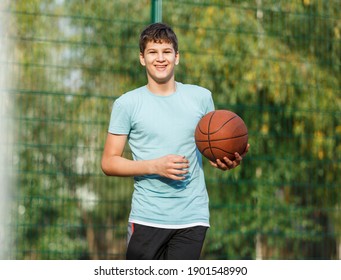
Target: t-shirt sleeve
{"points": [[209, 104], [119, 119]]}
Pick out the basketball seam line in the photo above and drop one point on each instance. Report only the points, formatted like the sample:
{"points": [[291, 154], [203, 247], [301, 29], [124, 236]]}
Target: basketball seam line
{"points": [[218, 128], [231, 153], [222, 138], [224, 124]]}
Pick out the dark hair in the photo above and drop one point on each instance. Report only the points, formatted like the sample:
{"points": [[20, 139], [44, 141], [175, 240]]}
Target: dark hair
{"points": [[158, 33]]}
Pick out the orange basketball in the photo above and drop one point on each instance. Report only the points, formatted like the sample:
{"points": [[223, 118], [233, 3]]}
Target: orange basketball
{"points": [[220, 134]]}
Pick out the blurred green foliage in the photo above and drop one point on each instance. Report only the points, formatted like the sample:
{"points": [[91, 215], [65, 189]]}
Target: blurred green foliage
{"points": [[275, 63]]}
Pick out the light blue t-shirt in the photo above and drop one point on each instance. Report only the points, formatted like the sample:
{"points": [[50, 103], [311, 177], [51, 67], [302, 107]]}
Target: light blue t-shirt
{"points": [[157, 126]]}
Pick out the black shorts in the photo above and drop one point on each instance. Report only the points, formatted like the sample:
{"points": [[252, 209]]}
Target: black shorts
{"points": [[150, 243]]}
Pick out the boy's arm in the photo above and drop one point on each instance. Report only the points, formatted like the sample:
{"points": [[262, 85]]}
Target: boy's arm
{"points": [[114, 164]]}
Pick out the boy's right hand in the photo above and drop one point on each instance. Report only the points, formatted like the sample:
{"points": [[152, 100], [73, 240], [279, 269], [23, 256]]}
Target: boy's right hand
{"points": [[172, 167]]}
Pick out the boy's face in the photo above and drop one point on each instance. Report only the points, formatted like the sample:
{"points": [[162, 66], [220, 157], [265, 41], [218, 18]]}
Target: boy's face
{"points": [[159, 60]]}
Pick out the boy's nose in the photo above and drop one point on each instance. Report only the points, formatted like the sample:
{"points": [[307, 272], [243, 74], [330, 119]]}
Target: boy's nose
{"points": [[160, 56]]}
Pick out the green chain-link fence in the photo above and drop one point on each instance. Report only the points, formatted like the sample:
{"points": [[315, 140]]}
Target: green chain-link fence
{"points": [[275, 63]]}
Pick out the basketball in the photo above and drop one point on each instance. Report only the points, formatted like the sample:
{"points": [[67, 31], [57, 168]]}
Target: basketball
{"points": [[220, 134]]}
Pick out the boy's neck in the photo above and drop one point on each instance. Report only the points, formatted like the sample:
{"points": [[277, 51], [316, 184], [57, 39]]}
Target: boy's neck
{"points": [[162, 89]]}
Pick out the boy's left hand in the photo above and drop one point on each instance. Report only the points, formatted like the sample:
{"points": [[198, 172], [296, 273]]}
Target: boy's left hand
{"points": [[228, 164]]}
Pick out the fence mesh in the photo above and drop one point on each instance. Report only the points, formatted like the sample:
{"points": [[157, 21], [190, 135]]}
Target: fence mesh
{"points": [[275, 63]]}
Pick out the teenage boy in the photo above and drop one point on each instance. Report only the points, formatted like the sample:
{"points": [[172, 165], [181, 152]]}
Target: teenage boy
{"points": [[169, 213]]}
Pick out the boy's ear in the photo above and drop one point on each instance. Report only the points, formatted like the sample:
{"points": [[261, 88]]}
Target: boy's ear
{"points": [[177, 58], [143, 63]]}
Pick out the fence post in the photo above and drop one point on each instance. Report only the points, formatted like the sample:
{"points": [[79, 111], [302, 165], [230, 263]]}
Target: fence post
{"points": [[156, 12], [6, 141]]}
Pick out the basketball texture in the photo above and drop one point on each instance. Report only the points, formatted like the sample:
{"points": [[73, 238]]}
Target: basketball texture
{"points": [[220, 134]]}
